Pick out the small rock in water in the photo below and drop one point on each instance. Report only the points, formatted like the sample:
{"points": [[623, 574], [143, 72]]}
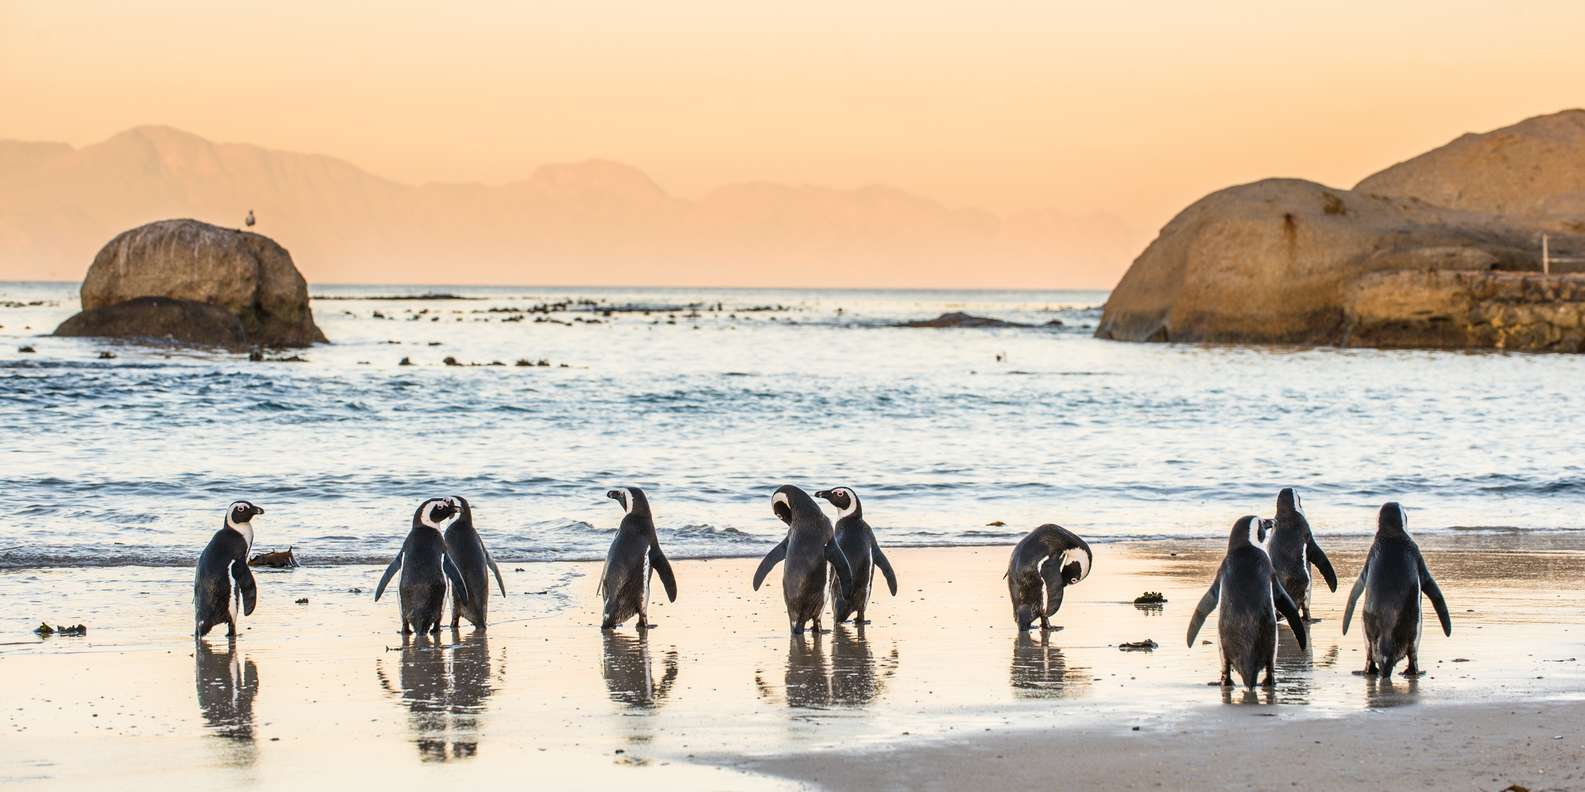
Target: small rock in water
{"points": [[26, 350], [107, 356], [279, 559], [405, 362], [355, 590], [451, 361], [303, 601], [996, 524]]}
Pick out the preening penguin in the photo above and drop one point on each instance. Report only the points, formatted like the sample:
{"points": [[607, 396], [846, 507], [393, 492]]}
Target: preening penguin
{"points": [[1251, 597], [1047, 560], [225, 559], [1293, 550], [857, 542], [1394, 577], [634, 553], [474, 563], [426, 566], [809, 548]]}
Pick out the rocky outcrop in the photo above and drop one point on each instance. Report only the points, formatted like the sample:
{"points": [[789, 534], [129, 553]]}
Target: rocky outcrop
{"points": [[960, 319], [1532, 172], [1290, 261], [193, 266]]}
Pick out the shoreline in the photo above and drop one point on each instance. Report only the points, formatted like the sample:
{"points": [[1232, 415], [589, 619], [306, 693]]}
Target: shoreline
{"points": [[329, 685]]}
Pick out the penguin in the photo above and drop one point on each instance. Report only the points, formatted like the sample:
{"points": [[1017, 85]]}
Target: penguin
{"points": [[810, 546], [1047, 560], [225, 559], [1251, 597], [474, 563], [1293, 549], [634, 553], [1394, 577], [857, 543], [426, 566]]}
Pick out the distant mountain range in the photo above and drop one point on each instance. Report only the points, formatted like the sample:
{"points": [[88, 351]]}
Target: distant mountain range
{"points": [[592, 222]]}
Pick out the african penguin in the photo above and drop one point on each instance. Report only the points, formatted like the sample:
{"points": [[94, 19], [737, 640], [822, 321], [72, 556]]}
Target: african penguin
{"points": [[1047, 560], [225, 559], [810, 546], [634, 553], [1293, 550], [1251, 597], [474, 563], [1394, 577], [426, 565], [857, 542]]}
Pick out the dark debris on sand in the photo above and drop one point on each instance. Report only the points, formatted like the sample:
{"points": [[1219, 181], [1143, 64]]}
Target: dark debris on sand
{"points": [[277, 559], [44, 630]]}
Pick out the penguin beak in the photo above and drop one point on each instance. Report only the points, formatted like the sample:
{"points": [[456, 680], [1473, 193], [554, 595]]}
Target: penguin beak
{"points": [[257, 511], [613, 494], [823, 494]]}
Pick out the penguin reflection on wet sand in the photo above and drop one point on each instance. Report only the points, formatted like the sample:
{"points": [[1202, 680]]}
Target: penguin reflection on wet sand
{"points": [[1250, 599], [474, 563], [634, 553], [1293, 551], [225, 559], [226, 686], [629, 674], [1043, 563], [445, 689], [425, 566], [1394, 577], [810, 546], [857, 542], [1039, 670]]}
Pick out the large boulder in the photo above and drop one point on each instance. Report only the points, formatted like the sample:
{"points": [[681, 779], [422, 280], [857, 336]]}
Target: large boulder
{"points": [[193, 265], [1273, 262], [1533, 171]]}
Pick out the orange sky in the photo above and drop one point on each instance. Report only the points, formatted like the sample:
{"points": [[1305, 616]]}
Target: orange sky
{"points": [[1131, 109]]}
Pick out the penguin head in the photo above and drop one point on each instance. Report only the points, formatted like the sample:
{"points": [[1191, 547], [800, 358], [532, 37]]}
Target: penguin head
{"points": [[1288, 502], [632, 499], [460, 506], [787, 500], [1076, 564], [1392, 519], [1241, 531], [241, 513], [844, 498], [1263, 527], [432, 512]]}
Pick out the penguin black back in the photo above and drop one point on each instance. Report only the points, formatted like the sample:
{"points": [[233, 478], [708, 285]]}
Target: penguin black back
{"points": [[809, 548], [1293, 550], [474, 563], [1043, 564], [425, 567], [1394, 577], [1248, 597], [634, 554]]}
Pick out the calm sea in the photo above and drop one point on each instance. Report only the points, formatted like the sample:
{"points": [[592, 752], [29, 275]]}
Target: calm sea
{"points": [[710, 398]]}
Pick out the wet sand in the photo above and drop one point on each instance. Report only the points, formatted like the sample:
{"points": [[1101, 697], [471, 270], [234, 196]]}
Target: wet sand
{"points": [[938, 691]]}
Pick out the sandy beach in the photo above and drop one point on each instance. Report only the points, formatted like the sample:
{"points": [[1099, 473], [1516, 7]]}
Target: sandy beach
{"points": [[939, 690]]}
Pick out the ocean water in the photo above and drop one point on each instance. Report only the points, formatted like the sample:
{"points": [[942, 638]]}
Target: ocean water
{"points": [[710, 398]]}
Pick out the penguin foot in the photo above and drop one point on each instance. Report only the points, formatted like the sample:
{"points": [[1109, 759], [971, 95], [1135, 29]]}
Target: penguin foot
{"points": [[861, 621], [1311, 620]]}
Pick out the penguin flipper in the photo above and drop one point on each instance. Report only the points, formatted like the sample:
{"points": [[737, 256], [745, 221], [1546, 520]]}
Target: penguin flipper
{"points": [[1289, 611], [839, 562], [390, 572], [454, 574], [249, 590], [1051, 573], [1353, 596], [1207, 604], [1432, 591], [490, 560], [776, 556], [1319, 560], [662, 567], [885, 566]]}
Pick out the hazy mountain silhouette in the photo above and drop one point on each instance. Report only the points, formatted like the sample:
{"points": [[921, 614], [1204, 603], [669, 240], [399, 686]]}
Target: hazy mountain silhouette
{"points": [[591, 222]]}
